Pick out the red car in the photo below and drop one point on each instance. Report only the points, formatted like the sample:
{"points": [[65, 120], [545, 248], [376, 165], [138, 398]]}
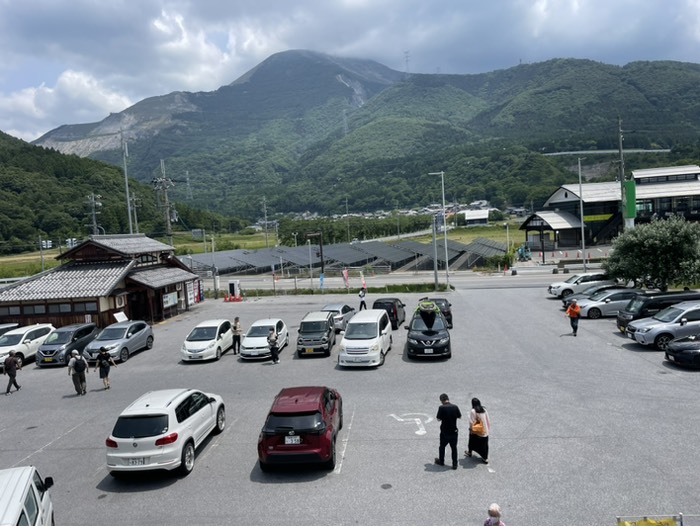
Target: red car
{"points": [[301, 428]]}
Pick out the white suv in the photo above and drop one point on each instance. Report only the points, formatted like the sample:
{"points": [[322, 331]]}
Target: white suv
{"points": [[162, 429], [578, 282], [25, 341]]}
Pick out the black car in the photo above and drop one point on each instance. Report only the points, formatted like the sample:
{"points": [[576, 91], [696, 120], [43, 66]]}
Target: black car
{"points": [[394, 307], [428, 335], [445, 307], [57, 348], [684, 351]]}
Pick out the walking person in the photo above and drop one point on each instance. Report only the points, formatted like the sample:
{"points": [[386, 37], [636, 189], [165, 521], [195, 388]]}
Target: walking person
{"points": [[237, 332], [104, 362], [494, 516], [10, 367], [77, 369], [272, 340], [447, 415], [573, 312], [362, 294], [479, 429]]}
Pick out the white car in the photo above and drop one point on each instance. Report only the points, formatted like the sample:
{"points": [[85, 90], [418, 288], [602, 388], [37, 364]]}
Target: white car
{"points": [[579, 282], [342, 313], [254, 343], [207, 341], [25, 341], [162, 429]]}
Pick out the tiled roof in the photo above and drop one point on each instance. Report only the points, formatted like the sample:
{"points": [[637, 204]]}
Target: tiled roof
{"points": [[71, 281], [159, 277], [130, 244]]}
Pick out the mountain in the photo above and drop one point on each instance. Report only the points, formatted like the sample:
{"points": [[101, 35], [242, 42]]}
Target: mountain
{"points": [[308, 130]]}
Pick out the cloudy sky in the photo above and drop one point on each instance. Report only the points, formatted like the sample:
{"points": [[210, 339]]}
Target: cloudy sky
{"points": [[75, 61]]}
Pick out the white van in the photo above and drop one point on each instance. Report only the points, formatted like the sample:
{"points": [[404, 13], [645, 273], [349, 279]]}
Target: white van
{"points": [[366, 340], [24, 498]]}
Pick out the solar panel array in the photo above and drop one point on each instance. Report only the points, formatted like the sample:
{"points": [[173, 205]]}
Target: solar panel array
{"points": [[386, 252]]}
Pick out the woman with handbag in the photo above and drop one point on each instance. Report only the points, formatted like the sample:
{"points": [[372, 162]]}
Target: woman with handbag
{"points": [[479, 428]]}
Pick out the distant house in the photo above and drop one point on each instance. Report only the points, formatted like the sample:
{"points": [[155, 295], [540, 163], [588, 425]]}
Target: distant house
{"points": [[478, 205], [101, 276], [475, 217]]}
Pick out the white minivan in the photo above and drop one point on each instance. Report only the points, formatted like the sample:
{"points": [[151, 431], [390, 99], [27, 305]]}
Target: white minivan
{"points": [[366, 340], [24, 498]]}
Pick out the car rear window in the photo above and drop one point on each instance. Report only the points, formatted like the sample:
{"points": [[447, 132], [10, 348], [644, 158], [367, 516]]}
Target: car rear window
{"points": [[140, 426], [298, 422]]}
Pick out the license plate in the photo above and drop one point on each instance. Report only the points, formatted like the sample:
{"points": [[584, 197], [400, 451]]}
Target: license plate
{"points": [[356, 359], [630, 336], [309, 350], [136, 461], [48, 359], [295, 439], [253, 353], [428, 351]]}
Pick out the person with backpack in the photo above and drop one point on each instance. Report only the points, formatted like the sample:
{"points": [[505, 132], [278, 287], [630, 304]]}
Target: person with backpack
{"points": [[104, 362], [272, 340], [361, 295], [77, 369]]}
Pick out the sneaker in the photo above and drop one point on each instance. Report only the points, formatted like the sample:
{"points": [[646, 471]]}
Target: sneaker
{"points": [[454, 466], [19, 387], [437, 461]]}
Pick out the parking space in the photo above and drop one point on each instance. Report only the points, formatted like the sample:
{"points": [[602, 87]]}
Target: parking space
{"points": [[584, 428]]}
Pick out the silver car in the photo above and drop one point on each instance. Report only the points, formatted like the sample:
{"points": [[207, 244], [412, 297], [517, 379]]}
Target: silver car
{"points": [[121, 340], [676, 321], [342, 313], [606, 302]]}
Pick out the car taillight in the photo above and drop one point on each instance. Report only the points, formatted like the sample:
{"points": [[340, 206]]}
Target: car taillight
{"points": [[168, 439], [111, 443]]}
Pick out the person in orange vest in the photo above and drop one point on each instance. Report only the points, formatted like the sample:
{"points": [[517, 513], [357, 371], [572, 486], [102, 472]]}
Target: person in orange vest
{"points": [[573, 313]]}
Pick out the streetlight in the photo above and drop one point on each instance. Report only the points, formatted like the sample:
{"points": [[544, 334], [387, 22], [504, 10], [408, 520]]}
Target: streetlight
{"points": [[507, 237], [444, 226], [295, 234], [580, 207]]}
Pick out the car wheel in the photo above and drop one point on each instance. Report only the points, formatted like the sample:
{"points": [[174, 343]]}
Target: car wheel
{"points": [[264, 467], [661, 341], [19, 358], [594, 314], [124, 355], [220, 420], [340, 420], [330, 464], [187, 459], [299, 354], [149, 342], [218, 353], [382, 357], [566, 293]]}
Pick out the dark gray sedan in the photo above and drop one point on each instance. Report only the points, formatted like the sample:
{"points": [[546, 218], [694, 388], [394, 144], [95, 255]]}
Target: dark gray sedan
{"points": [[121, 340]]}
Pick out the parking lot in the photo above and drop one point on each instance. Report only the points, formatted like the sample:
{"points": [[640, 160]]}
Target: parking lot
{"points": [[583, 429]]}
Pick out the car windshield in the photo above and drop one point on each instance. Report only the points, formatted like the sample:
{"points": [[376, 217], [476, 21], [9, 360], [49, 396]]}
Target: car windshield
{"points": [[58, 337], [115, 333], [418, 324], [10, 339], [668, 314], [259, 330], [361, 331], [313, 326], [140, 426], [201, 334], [298, 422], [572, 279]]}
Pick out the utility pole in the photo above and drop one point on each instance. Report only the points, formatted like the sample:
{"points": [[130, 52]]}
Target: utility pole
{"points": [[161, 184], [347, 217], [94, 200], [125, 154], [264, 203], [134, 205], [623, 197]]}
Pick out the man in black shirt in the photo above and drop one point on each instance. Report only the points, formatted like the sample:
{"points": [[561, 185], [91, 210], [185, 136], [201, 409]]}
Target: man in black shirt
{"points": [[447, 415], [10, 367]]}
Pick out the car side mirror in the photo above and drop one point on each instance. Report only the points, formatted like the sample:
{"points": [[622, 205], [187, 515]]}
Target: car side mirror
{"points": [[212, 399], [406, 327], [28, 340], [48, 482], [683, 321], [607, 300]]}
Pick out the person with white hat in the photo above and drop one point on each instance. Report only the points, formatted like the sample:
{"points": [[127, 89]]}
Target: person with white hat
{"points": [[77, 369], [494, 516]]}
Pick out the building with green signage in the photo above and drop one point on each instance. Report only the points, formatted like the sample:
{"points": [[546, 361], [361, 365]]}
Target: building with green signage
{"points": [[610, 207]]}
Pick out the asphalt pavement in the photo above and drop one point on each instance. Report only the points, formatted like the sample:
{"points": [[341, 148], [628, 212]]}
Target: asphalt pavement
{"points": [[583, 429]]}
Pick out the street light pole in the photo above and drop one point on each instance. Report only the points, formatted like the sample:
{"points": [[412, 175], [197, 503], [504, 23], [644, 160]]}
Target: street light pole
{"points": [[444, 227], [580, 208]]}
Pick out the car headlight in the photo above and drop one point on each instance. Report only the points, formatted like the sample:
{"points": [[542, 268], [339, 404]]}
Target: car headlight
{"points": [[183, 348], [211, 344], [444, 341], [644, 329], [111, 347], [374, 348], [325, 339], [412, 341]]}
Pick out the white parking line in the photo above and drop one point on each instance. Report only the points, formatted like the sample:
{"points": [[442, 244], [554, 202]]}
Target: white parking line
{"points": [[344, 444], [42, 448]]}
